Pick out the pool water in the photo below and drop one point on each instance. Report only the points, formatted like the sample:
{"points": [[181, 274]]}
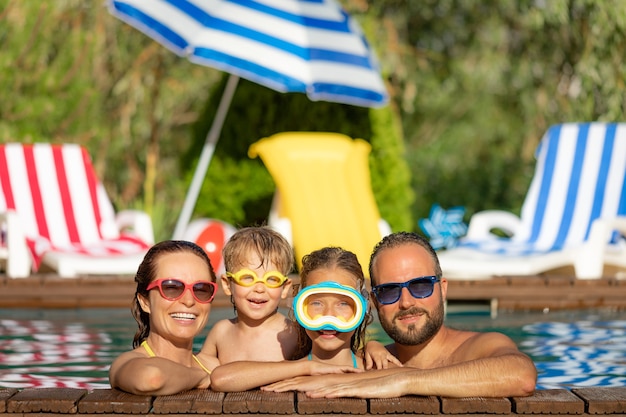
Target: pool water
{"points": [[74, 348]]}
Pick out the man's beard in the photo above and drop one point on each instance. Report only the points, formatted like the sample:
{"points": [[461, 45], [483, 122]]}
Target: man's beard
{"points": [[413, 336]]}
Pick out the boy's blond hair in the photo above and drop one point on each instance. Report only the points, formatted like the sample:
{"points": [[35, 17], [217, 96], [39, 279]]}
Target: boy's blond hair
{"points": [[269, 245]]}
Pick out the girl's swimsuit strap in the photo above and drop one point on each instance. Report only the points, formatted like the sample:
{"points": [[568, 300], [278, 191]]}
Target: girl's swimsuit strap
{"points": [[354, 364], [148, 349]]}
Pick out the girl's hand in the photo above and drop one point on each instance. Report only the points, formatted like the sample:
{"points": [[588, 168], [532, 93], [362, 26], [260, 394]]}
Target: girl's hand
{"points": [[378, 357]]}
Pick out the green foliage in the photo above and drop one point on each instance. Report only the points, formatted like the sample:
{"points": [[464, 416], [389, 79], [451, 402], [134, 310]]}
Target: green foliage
{"points": [[474, 84], [73, 73], [477, 83], [389, 171], [239, 190]]}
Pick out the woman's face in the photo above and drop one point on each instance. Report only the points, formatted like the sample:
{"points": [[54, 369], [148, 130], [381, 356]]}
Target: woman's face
{"points": [[332, 305], [178, 321]]}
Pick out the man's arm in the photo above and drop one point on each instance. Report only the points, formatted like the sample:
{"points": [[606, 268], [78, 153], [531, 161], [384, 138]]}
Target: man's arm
{"points": [[460, 380], [312, 383], [487, 365]]}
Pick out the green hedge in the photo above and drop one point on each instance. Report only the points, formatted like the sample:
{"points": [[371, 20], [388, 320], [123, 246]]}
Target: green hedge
{"points": [[239, 190]]}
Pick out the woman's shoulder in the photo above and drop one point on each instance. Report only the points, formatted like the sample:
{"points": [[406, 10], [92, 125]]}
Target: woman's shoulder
{"points": [[138, 352], [125, 357]]}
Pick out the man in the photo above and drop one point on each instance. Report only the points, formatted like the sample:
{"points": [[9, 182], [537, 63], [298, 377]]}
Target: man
{"points": [[409, 292]]}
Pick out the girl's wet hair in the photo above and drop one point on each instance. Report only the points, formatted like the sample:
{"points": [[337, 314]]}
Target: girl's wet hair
{"points": [[333, 257], [269, 245], [146, 273]]}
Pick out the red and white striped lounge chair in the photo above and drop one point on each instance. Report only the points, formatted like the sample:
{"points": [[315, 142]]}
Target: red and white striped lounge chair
{"points": [[55, 213]]}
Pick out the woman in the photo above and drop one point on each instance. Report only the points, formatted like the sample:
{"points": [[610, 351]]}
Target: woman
{"points": [[175, 286]]}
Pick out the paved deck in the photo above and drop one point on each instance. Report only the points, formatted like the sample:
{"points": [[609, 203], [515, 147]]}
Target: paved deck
{"points": [[534, 293], [108, 402]]}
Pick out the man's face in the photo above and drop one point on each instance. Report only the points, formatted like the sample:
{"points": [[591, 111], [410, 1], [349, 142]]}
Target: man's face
{"points": [[409, 321]]}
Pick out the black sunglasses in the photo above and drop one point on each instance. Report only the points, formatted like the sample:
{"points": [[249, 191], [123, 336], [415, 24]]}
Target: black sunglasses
{"points": [[421, 287]]}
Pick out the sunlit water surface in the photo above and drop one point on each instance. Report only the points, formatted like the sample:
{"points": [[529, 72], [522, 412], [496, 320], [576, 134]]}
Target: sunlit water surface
{"points": [[74, 348]]}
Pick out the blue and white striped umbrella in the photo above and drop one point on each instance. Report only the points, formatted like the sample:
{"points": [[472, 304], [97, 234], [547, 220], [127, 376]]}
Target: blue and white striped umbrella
{"points": [[308, 46]]}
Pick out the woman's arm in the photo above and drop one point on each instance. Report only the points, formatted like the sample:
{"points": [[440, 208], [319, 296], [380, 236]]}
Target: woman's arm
{"points": [[141, 375]]}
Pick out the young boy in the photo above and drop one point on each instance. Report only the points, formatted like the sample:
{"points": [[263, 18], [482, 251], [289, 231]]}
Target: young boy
{"points": [[257, 261]]}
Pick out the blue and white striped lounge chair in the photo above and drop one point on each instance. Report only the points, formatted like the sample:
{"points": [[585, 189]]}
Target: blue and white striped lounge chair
{"points": [[574, 213]]}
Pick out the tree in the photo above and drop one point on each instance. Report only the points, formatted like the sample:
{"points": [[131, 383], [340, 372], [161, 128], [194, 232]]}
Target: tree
{"points": [[476, 84]]}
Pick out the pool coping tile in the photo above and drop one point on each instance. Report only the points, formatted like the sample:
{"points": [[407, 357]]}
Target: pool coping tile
{"points": [[5, 394], [344, 405], [259, 402], [114, 401], [410, 404], [51, 400], [603, 400], [476, 405], [195, 401], [549, 401]]}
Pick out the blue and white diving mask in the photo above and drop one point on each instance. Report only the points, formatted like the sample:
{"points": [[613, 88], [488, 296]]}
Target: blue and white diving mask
{"points": [[329, 306]]}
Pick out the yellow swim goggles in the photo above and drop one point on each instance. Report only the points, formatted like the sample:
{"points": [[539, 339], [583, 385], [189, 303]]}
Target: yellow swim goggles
{"points": [[312, 317], [247, 278]]}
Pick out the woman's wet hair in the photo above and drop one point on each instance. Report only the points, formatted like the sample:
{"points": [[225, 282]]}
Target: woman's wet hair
{"points": [[146, 273], [333, 257]]}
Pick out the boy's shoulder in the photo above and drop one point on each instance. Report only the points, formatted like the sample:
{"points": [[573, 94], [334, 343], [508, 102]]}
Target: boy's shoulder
{"points": [[280, 322], [223, 326], [226, 323]]}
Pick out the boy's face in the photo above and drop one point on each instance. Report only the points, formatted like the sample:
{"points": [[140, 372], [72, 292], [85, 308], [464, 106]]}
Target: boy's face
{"points": [[256, 302]]}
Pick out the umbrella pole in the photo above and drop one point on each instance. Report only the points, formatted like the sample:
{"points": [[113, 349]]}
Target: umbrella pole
{"points": [[205, 157]]}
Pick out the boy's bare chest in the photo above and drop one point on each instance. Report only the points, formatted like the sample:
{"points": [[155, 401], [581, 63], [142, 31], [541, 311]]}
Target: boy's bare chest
{"points": [[251, 346]]}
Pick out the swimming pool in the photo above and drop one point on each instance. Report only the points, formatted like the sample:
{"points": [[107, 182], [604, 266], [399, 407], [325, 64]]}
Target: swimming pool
{"points": [[74, 348]]}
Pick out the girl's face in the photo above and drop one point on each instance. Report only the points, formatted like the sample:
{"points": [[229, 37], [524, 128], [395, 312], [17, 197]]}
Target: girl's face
{"points": [[258, 301], [327, 304], [178, 321]]}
